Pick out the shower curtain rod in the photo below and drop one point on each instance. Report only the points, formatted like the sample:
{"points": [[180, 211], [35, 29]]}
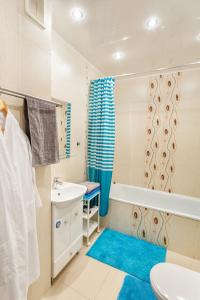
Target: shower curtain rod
{"points": [[164, 69], [23, 96]]}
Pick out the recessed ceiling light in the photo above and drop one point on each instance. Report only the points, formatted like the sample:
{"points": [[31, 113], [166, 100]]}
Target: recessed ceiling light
{"points": [[198, 37], [152, 23], [118, 55], [77, 14], [125, 38]]}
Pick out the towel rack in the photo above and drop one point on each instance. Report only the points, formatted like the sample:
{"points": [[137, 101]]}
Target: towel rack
{"points": [[23, 96]]}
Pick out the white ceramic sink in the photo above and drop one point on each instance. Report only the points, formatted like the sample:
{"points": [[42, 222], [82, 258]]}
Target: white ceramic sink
{"points": [[67, 192]]}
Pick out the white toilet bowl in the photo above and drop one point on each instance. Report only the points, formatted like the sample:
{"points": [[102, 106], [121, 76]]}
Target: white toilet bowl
{"points": [[173, 282]]}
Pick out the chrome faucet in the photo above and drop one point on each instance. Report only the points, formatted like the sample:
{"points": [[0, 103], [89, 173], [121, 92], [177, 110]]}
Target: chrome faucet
{"points": [[57, 182]]}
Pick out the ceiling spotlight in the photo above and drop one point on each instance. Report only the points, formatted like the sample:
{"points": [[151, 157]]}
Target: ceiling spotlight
{"points": [[77, 14], [198, 37], [118, 55], [152, 23], [125, 38]]}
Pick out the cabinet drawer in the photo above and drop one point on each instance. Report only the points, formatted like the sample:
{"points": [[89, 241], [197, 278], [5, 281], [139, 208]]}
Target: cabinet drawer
{"points": [[66, 256], [76, 246]]}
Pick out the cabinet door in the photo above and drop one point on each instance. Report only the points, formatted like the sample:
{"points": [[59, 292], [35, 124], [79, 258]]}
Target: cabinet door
{"points": [[61, 235], [76, 227]]}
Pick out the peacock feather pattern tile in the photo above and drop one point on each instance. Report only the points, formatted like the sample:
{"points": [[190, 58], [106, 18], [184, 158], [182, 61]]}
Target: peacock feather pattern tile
{"points": [[150, 225], [162, 122]]}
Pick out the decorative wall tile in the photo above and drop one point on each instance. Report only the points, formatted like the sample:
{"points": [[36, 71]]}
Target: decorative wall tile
{"points": [[150, 225], [138, 222], [178, 234], [162, 122]]}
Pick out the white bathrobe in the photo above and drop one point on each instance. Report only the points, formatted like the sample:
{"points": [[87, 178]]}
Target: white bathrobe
{"points": [[19, 260]]}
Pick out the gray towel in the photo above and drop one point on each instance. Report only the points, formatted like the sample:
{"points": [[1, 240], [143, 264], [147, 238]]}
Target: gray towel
{"points": [[41, 128]]}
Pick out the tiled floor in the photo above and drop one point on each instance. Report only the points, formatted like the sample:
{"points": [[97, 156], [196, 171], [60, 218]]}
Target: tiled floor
{"points": [[87, 279]]}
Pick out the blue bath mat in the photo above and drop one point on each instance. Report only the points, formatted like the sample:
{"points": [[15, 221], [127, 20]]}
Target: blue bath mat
{"points": [[127, 253], [135, 289]]}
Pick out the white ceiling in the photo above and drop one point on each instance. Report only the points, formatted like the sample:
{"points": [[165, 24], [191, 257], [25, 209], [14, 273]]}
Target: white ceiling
{"points": [[107, 22]]}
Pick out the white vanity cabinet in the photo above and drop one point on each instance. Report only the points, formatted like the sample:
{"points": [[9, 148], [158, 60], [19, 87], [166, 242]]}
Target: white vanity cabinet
{"points": [[66, 233]]}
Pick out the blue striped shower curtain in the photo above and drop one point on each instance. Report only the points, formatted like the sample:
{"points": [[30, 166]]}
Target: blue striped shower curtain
{"points": [[101, 136]]}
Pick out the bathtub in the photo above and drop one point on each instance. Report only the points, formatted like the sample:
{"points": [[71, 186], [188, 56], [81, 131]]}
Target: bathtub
{"points": [[168, 220], [175, 204]]}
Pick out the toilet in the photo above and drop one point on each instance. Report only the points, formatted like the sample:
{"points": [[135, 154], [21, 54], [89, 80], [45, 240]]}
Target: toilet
{"points": [[173, 282]]}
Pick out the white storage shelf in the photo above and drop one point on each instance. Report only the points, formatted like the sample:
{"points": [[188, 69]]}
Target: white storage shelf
{"points": [[93, 226], [93, 211], [89, 224]]}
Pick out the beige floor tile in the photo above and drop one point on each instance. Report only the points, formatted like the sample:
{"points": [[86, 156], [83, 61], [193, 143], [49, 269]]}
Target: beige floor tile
{"points": [[77, 264], [111, 286], [86, 277], [74, 269], [61, 292]]}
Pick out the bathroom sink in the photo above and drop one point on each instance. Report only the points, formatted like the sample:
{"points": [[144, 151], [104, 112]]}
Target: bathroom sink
{"points": [[67, 192]]}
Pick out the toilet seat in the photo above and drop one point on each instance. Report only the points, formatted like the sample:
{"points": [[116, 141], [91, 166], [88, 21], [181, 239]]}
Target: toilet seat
{"points": [[173, 282]]}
